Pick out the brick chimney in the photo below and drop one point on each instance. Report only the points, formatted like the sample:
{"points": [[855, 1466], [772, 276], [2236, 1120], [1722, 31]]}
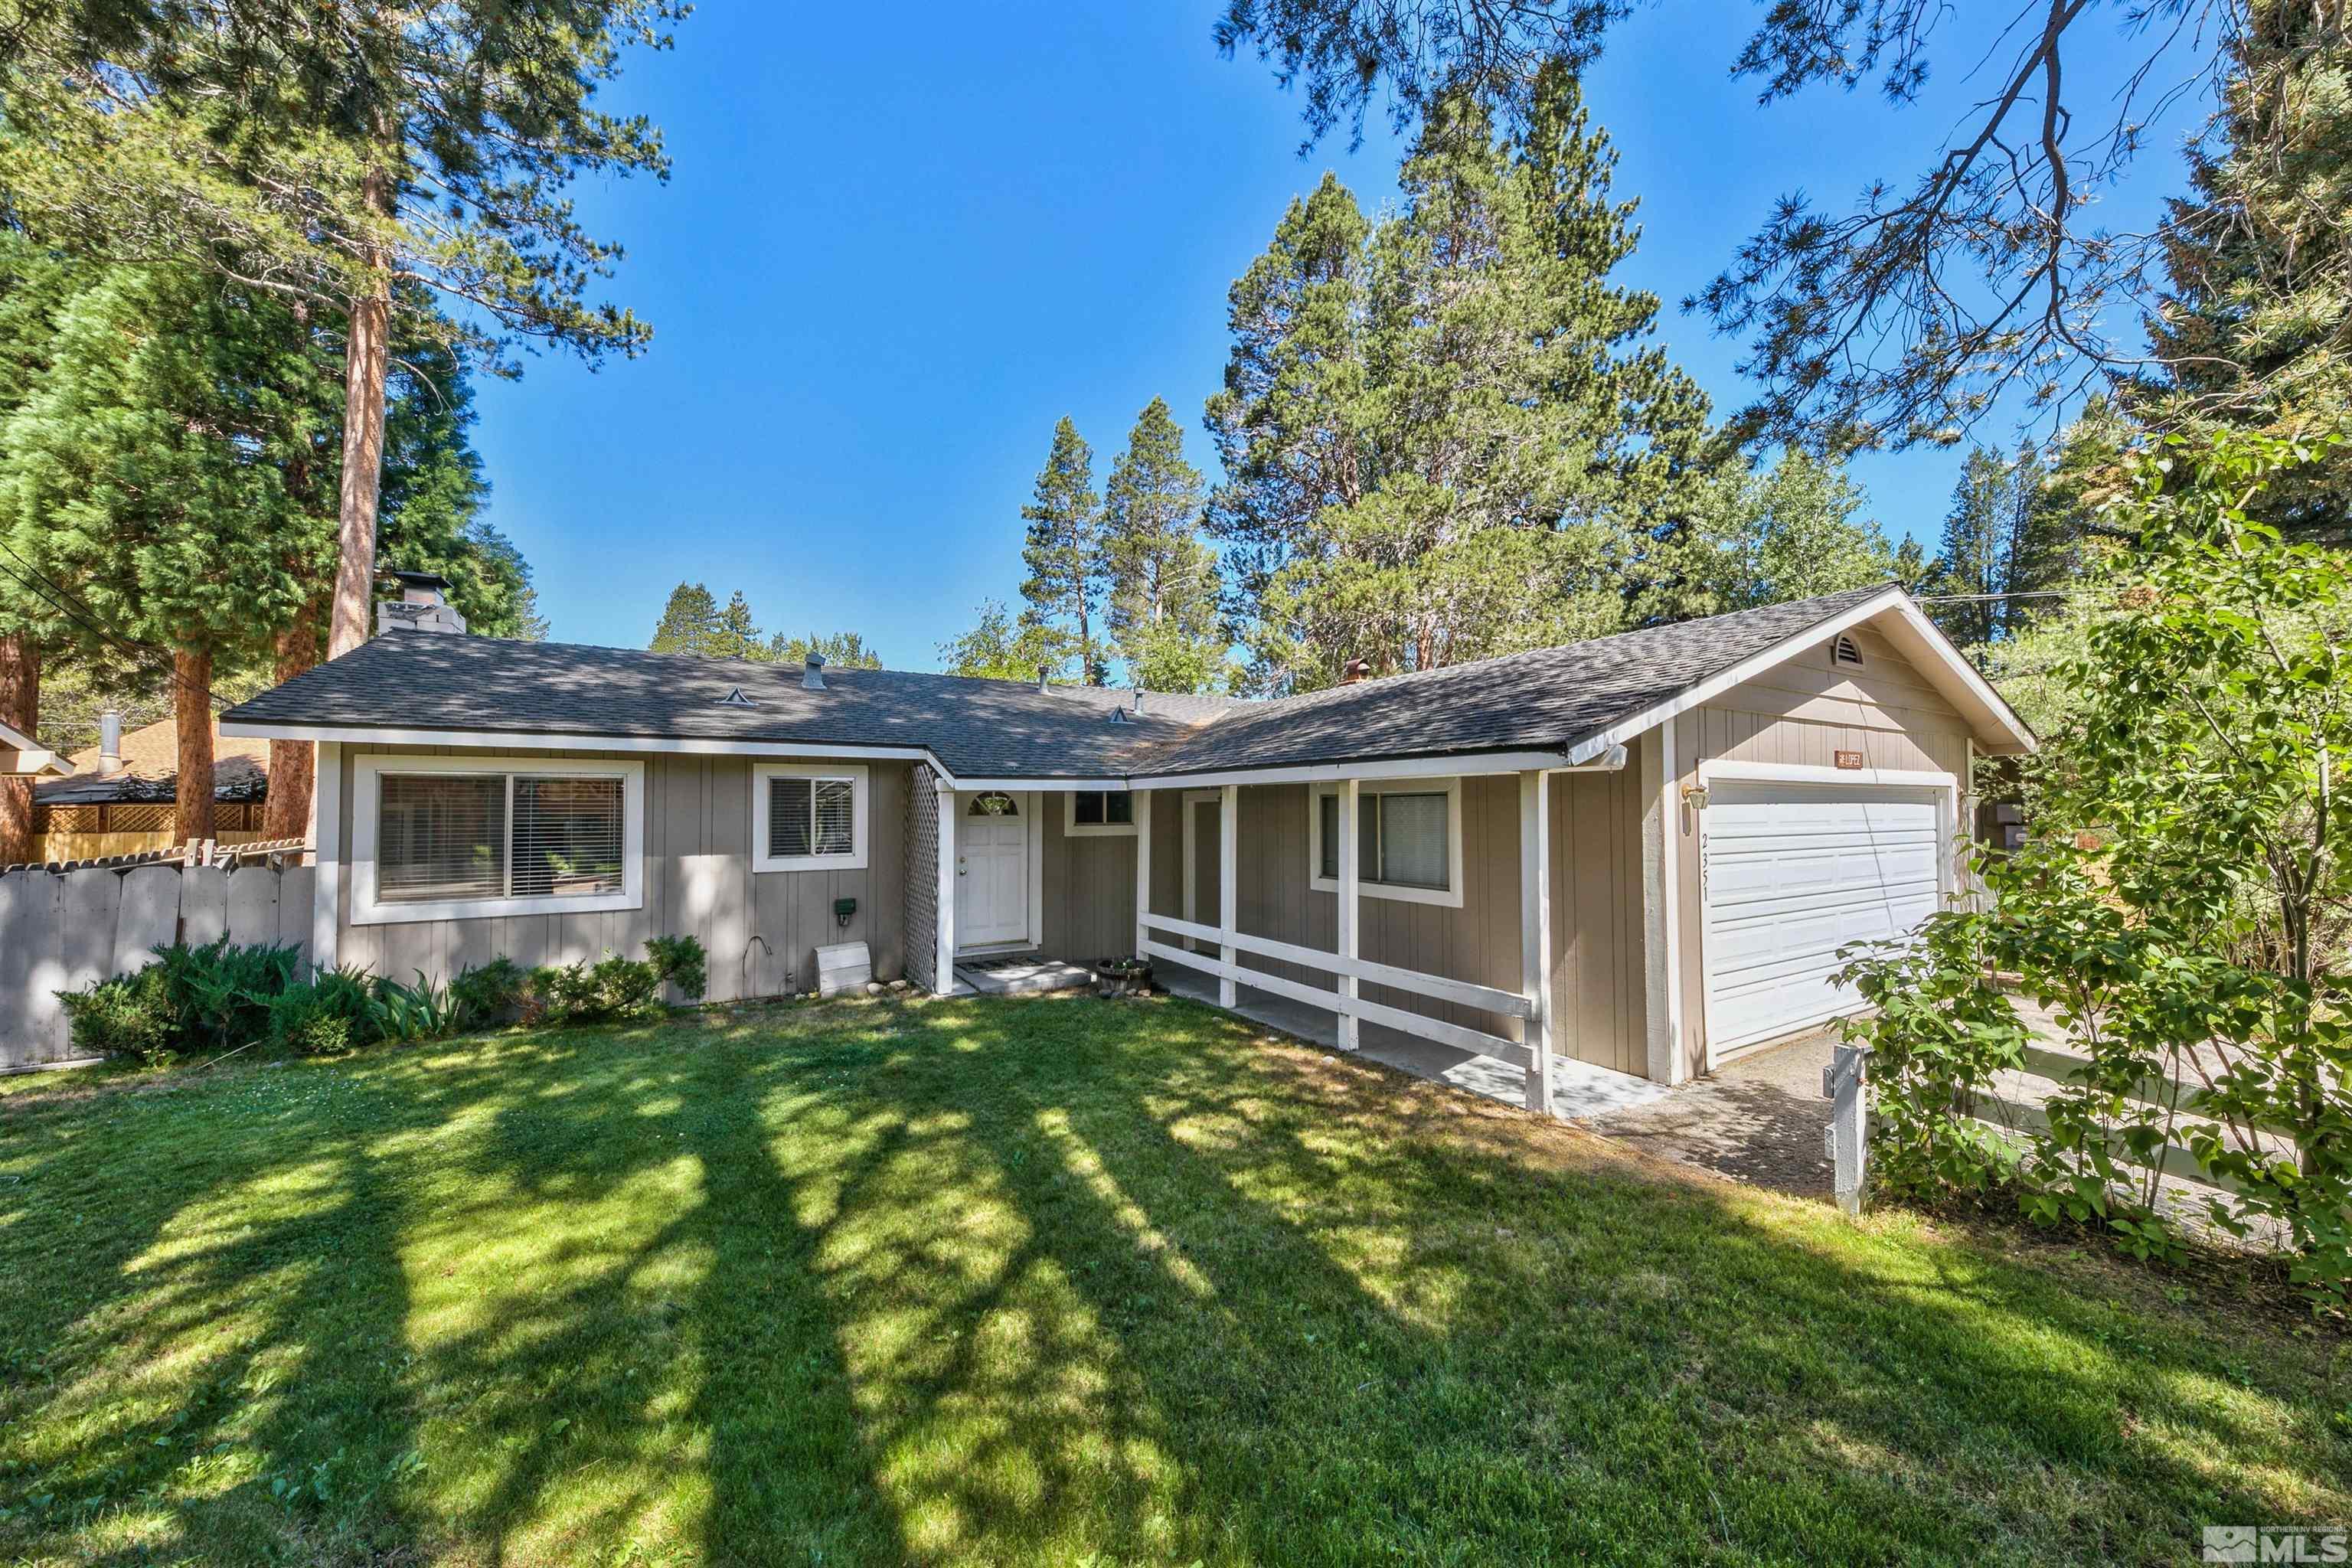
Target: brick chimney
{"points": [[423, 605]]}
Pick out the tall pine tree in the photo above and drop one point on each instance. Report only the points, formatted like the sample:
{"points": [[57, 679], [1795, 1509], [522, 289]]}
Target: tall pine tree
{"points": [[1444, 434], [1064, 546], [1161, 585]]}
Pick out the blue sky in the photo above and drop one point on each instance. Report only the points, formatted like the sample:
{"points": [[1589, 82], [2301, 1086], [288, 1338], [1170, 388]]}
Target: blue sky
{"points": [[890, 258]]}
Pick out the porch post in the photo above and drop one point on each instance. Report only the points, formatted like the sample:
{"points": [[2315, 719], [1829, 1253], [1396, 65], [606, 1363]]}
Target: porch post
{"points": [[1535, 930], [1229, 833], [1142, 814], [943, 964], [1350, 910]]}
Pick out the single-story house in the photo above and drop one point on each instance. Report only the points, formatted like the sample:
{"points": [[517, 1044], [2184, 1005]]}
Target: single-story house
{"points": [[120, 800], [1641, 852]]}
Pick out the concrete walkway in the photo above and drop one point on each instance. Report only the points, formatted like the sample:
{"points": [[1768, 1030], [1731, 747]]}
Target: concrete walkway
{"points": [[1578, 1089], [1758, 1118]]}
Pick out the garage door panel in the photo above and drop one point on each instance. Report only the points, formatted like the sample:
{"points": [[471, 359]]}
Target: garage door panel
{"points": [[1793, 874]]}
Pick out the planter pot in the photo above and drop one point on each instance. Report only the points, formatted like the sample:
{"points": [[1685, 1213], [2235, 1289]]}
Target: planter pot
{"points": [[1122, 977]]}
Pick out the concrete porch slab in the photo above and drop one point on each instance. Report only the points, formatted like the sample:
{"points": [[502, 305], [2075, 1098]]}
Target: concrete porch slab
{"points": [[1025, 975], [1577, 1088]]}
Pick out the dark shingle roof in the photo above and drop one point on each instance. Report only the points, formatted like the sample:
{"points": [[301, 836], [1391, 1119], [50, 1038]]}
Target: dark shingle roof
{"points": [[1544, 700], [978, 729]]}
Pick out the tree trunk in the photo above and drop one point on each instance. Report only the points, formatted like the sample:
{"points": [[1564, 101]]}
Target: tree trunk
{"points": [[292, 763], [366, 360], [20, 707], [192, 698]]}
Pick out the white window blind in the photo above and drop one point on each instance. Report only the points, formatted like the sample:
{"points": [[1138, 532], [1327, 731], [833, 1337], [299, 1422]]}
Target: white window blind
{"points": [[440, 838], [811, 816], [567, 836], [1412, 840], [1401, 839]]}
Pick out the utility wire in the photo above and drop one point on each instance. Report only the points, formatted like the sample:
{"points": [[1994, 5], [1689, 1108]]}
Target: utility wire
{"points": [[81, 615]]}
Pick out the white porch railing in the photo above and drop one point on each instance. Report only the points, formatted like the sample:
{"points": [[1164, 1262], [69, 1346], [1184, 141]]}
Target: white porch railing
{"points": [[1351, 972]]}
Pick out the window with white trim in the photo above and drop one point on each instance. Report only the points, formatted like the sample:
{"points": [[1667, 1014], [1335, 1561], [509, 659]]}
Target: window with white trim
{"points": [[1407, 839], [1099, 812], [435, 839], [808, 817]]}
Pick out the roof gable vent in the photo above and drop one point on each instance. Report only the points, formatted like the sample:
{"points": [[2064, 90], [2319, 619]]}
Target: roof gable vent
{"points": [[735, 699], [1846, 650]]}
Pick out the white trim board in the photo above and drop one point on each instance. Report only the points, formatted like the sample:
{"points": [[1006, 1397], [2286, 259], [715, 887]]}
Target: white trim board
{"points": [[853, 774], [369, 770], [1813, 772], [1468, 763], [1942, 660]]}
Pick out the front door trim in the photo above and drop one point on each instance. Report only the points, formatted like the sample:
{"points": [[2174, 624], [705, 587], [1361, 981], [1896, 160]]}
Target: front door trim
{"points": [[1032, 802]]}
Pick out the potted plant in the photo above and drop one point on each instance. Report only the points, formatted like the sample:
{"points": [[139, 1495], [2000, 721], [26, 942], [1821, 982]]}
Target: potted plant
{"points": [[1122, 977]]}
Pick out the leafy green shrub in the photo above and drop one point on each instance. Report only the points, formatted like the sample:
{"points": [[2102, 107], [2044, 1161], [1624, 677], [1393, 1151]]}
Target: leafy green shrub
{"points": [[489, 993], [420, 1012], [682, 963], [334, 1010], [128, 1015], [210, 996], [2181, 909], [616, 987]]}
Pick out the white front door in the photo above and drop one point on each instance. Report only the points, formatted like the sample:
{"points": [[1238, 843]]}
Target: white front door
{"points": [[1789, 873], [992, 870]]}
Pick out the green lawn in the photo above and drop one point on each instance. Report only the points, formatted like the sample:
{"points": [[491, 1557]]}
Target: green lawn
{"points": [[1052, 1282]]}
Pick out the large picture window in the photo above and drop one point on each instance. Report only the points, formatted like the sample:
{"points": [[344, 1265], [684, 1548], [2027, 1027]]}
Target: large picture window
{"points": [[1407, 839], [437, 840], [808, 817]]}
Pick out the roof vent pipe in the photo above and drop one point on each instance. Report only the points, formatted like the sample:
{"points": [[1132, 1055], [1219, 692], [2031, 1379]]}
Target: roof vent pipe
{"points": [[110, 743], [812, 676], [1138, 697], [1354, 671], [1041, 678]]}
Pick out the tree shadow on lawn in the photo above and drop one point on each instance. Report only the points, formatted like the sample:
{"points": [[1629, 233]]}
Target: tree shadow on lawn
{"points": [[1024, 1281]]}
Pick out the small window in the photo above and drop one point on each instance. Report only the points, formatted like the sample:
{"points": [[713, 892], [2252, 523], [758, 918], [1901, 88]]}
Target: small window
{"points": [[807, 818], [993, 803], [1100, 813], [1408, 841], [1846, 650]]}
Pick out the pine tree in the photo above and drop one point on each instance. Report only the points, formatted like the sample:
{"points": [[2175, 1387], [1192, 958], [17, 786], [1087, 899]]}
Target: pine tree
{"points": [[1000, 648], [1063, 547], [1443, 433], [334, 147], [1161, 585], [1792, 532], [2255, 331], [148, 471], [2004, 536], [686, 621], [840, 650]]}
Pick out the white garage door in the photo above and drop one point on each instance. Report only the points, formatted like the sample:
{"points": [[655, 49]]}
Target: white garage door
{"points": [[1793, 872]]}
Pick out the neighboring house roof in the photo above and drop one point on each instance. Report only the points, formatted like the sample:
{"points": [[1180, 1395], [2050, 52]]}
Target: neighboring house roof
{"points": [[1571, 702], [23, 755], [150, 770]]}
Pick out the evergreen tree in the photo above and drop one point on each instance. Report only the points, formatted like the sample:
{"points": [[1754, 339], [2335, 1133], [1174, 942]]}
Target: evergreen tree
{"points": [[1443, 433], [1161, 600], [1063, 548], [842, 650], [148, 471], [686, 621], [333, 147], [2255, 331], [999, 647], [2009, 533], [1791, 533]]}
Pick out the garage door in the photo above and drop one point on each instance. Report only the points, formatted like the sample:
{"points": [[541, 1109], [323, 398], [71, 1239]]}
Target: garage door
{"points": [[1793, 872]]}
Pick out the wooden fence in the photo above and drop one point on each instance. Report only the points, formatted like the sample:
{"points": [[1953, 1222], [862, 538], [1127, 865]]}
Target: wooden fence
{"points": [[61, 930]]}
